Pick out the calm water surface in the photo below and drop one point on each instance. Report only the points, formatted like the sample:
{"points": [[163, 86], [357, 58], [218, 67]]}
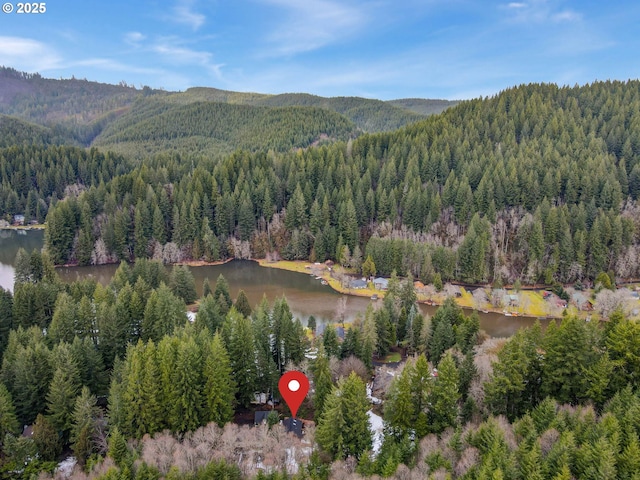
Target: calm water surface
{"points": [[305, 295]]}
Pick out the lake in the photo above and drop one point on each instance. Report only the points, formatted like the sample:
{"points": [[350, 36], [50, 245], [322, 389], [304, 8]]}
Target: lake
{"points": [[305, 295]]}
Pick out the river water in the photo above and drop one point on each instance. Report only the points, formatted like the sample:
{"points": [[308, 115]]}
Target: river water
{"points": [[305, 295]]}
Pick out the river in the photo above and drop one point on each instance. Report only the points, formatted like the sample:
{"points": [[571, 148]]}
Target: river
{"points": [[305, 295]]}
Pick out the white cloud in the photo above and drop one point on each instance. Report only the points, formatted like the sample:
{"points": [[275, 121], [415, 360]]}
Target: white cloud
{"points": [[566, 16], [183, 13], [113, 66], [174, 54], [133, 38], [540, 11], [28, 55], [311, 24]]}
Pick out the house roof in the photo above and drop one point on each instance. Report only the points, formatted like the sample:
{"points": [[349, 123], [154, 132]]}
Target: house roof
{"points": [[358, 283], [293, 425], [260, 417]]}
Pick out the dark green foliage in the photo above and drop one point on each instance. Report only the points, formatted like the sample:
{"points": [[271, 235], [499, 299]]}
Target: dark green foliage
{"points": [[242, 304], [532, 219], [47, 440], [322, 381], [220, 387], [158, 125], [6, 317], [183, 284], [8, 420], [163, 313], [343, 429]]}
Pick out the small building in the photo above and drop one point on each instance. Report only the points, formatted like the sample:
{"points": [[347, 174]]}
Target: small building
{"points": [[358, 284], [381, 283], [513, 300], [18, 219], [261, 417], [293, 425]]}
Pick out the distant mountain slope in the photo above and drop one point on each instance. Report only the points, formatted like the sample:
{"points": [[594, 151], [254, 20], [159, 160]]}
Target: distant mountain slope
{"points": [[159, 125], [200, 120], [14, 131], [368, 114], [423, 106]]}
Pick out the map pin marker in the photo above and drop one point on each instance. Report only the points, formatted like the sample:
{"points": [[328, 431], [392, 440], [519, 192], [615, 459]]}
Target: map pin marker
{"points": [[293, 386]]}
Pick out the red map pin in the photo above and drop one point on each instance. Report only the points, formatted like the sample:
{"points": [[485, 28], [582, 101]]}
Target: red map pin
{"points": [[293, 387]]}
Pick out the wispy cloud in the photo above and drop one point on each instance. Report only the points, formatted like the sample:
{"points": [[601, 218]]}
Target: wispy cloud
{"points": [[540, 11], [134, 38], [311, 24], [113, 66], [27, 54], [183, 12], [174, 54]]}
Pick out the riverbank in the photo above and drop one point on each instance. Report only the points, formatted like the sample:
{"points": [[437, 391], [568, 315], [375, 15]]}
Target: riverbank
{"points": [[37, 226], [530, 303]]}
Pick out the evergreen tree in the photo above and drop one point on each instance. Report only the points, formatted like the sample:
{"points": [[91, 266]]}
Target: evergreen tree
{"points": [[444, 396], [183, 284], [85, 415], [209, 315], [242, 304], [322, 381], [6, 317], [8, 419], [63, 324], [243, 360], [330, 341], [188, 398], [163, 313], [63, 391], [220, 387], [222, 295], [343, 429], [46, 439]]}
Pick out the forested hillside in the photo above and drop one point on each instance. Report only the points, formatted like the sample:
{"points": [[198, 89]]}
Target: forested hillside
{"points": [[368, 114], [14, 131], [423, 106], [32, 178], [539, 183], [76, 109], [212, 129], [202, 121]]}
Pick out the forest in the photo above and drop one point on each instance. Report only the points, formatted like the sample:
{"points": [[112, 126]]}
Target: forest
{"points": [[537, 185], [118, 376]]}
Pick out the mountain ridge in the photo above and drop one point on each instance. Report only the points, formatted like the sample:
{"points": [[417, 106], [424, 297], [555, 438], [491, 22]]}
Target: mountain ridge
{"points": [[86, 113]]}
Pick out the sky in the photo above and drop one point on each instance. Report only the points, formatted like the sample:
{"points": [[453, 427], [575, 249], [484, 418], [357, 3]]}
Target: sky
{"points": [[385, 49]]}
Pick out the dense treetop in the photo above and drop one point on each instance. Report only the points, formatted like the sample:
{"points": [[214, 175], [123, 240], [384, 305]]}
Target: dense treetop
{"points": [[538, 183]]}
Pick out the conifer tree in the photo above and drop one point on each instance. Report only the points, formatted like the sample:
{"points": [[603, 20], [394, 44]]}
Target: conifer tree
{"points": [[63, 390], [343, 429], [8, 419], [220, 387], [85, 415], [242, 304], [187, 408], [321, 380], [243, 360], [183, 284]]}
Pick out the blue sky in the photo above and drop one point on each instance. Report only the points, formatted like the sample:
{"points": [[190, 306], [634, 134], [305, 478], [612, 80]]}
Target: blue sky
{"points": [[453, 49]]}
